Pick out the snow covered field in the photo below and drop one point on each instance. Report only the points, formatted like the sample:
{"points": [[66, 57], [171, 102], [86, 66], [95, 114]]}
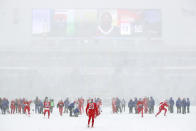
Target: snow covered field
{"points": [[106, 122]]}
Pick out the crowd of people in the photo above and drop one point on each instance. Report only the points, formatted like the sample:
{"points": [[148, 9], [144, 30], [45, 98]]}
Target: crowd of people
{"points": [[76, 107], [23, 106], [147, 104], [118, 106], [182, 105], [93, 108], [15, 106]]}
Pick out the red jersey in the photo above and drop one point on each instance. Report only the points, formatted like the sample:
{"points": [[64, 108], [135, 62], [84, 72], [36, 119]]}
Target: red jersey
{"points": [[12, 104], [47, 105], [92, 109], [140, 104], [81, 102], [113, 101], [145, 101], [60, 104], [163, 104], [27, 103]]}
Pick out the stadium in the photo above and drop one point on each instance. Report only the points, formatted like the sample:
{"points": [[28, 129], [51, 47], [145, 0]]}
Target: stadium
{"points": [[98, 49]]}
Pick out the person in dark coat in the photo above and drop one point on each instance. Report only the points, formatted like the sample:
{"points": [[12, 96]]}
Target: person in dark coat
{"points": [[184, 106], [131, 105], [36, 103], [4, 105], [171, 105], [135, 105], [178, 105], [188, 105], [151, 105], [76, 112], [71, 107], [66, 104], [41, 107], [118, 105]]}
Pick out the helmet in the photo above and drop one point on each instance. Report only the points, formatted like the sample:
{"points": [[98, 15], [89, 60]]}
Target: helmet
{"points": [[91, 100]]}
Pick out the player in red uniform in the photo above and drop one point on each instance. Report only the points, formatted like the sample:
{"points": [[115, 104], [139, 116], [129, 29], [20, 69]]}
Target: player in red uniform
{"points": [[19, 106], [12, 106], [60, 105], [145, 104], [114, 105], [162, 107], [47, 107], [81, 104], [27, 106], [140, 106], [91, 111]]}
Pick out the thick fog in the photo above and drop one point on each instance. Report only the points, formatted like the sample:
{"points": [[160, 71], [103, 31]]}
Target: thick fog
{"points": [[87, 63]]}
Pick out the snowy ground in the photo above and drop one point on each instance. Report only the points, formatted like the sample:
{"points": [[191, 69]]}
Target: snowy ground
{"points": [[106, 122]]}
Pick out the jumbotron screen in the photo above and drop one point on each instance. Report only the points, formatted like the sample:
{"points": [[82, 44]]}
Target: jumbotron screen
{"points": [[96, 22]]}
